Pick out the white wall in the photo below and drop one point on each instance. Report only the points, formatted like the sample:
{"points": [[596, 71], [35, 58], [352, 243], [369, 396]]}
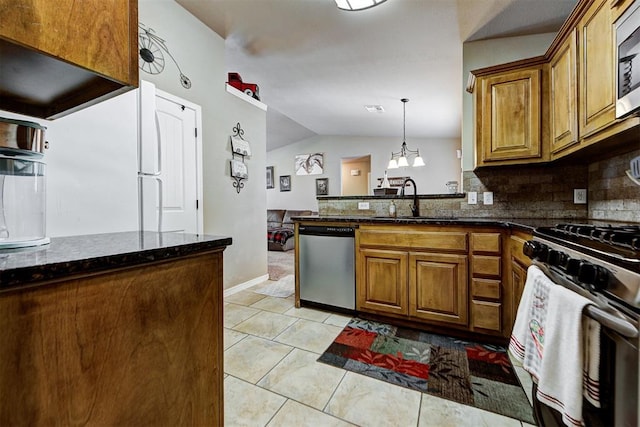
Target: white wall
{"points": [[484, 53], [92, 159], [200, 54], [91, 172], [442, 165]]}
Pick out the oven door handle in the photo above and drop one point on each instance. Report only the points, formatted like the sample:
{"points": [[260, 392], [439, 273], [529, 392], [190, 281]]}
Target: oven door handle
{"points": [[616, 324], [602, 311]]}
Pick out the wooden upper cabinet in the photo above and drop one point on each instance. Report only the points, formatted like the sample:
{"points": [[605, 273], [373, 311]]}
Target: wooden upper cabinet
{"points": [[508, 122], [564, 92], [59, 56], [597, 68], [94, 34]]}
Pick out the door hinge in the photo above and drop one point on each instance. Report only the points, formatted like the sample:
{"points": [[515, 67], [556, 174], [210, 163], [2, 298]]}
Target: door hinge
{"points": [[197, 204], [196, 132]]}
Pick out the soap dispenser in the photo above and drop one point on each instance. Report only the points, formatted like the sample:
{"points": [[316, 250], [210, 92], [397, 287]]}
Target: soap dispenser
{"points": [[385, 181]]}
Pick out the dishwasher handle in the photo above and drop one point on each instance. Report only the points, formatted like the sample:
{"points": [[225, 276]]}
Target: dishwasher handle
{"points": [[323, 230]]}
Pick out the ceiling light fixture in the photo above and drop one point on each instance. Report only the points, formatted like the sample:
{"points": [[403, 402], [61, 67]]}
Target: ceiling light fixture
{"points": [[352, 5], [399, 159], [374, 108]]}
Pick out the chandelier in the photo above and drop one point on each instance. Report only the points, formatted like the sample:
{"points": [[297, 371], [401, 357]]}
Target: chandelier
{"points": [[357, 4], [400, 159]]}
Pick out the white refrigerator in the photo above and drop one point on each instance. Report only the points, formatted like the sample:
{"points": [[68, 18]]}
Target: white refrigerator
{"points": [[169, 162]]}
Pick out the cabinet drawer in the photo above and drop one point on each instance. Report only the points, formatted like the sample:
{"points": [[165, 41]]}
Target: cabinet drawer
{"points": [[486, 315], [485, 288], [486, 265], [452, 240], [486, 242]]}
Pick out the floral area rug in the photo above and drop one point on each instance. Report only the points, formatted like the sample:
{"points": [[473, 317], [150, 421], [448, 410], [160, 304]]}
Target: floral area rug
{"points": [[470, 373]]}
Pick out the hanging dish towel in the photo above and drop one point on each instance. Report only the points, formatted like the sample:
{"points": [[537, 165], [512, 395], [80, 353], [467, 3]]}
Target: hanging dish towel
{"points": [[549, 339]]}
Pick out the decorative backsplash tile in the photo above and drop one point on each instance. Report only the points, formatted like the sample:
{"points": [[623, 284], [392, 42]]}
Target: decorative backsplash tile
{"points": [[612, 195], [537, 191], [526, 192]]}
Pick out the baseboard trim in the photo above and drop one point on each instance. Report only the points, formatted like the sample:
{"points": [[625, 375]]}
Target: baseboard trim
{"points": [[242, 286]]}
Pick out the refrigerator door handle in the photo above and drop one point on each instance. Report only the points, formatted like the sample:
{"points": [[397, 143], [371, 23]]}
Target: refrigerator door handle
{"points": [[145, 208], [160, 203], [158, 141]]}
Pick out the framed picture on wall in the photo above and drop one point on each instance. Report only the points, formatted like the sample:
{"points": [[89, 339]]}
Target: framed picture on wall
{"points": [[285, 183], [309, 164], [270, 183], [322, 186]]}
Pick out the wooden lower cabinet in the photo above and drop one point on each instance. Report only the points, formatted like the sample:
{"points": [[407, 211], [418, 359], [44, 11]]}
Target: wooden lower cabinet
{"points": [[438, 287], [466, 278], [129, 347], [424, 286], [383, 281], [518, 264]]}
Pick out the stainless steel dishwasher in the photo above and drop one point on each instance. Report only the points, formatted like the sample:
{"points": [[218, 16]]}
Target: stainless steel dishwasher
{"points": [[327, 265]]}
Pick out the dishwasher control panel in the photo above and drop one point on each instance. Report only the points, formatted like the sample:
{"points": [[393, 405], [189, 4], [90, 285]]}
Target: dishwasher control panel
{"points": [[323, 230]]}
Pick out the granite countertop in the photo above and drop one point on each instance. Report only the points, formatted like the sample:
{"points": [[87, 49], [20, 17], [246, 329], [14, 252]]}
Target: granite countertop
{"points": [[524, 224], [67, 256], [396, 196]]}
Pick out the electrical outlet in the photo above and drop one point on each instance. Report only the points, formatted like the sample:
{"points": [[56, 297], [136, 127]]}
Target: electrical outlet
{"points": [[472, 198], [487, 197], [363, 205], [580, 196]]}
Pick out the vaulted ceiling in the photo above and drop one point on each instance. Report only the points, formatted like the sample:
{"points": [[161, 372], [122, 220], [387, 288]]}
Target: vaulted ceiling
{"points": [[318, 66]]}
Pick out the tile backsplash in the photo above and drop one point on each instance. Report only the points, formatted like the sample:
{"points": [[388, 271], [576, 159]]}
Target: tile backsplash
{"points": [[537, 191], [612, 195], [544, 191]]}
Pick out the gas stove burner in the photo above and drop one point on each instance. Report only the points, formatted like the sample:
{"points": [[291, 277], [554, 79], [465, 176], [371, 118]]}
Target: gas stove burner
{"points": [[626, 236], [612, 241]]}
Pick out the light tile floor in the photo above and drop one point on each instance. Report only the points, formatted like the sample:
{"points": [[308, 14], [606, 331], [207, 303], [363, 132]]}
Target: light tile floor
{"points": [[272, 377]]}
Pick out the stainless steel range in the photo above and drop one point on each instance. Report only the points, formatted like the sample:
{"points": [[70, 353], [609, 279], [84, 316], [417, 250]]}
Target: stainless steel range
{"points": [[601, 262]]}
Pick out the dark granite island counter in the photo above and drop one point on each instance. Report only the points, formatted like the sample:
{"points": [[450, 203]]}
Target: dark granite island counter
{"points": [[113, 329]]}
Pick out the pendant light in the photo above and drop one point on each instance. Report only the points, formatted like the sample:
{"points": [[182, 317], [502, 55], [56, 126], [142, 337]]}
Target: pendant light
{"points": [[400, 159], [354, 5]]}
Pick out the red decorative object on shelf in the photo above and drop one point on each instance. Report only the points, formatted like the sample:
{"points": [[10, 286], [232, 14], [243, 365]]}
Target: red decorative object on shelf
{"points": [[250, 89]]}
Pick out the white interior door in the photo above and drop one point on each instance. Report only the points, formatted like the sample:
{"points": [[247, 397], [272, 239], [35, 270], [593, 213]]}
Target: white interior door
{"points": [[177, 128], [170, 164]]}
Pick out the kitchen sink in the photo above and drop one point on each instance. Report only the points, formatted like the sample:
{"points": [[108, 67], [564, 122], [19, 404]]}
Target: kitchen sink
{"points": [[433, 218]]}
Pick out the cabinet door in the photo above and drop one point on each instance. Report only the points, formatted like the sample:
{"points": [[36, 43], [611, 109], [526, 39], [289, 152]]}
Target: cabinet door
{"points": [[518, 278], [597, 67], [99, 35], [381, 281], [518, 264], [438, 287], [564, 92], [508, 106]]}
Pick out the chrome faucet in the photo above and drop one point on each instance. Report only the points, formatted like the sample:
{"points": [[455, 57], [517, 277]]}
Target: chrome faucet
{"points": [[415, 209]]}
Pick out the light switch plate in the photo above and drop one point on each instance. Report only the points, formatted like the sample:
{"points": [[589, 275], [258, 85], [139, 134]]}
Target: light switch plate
{"points": [[363, 205], [472, 198], [580, 196], [487, 197]]}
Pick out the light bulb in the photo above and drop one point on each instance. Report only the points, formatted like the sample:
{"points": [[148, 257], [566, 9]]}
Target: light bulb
{"points": [[402, 162], [418, 162], [392, 164]]}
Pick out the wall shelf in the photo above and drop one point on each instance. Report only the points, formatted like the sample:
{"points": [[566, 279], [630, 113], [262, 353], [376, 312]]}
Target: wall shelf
{"points": [[233, 91]]}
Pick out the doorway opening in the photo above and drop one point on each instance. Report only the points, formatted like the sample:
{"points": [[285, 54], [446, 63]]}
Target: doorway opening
{"points": [[356, 176]]}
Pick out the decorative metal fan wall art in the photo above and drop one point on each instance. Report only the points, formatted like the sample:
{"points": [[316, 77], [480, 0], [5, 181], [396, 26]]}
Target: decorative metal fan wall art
{"points": [[151, 58]]}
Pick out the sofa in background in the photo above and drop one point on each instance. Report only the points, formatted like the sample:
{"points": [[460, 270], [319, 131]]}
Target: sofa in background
{"points": [[280, 228]]}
